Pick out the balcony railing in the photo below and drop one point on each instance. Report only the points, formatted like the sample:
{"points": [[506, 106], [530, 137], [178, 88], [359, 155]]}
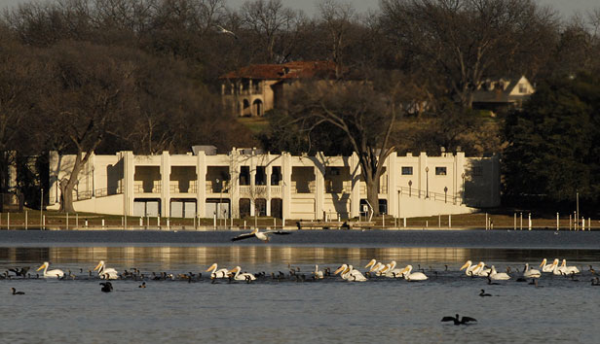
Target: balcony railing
{"points": [[175, 187], [138, 187]]}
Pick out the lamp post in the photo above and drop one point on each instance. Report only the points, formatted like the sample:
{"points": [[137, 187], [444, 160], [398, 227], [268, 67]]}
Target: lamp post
{"points": [[409, 188], [445, 194], [426, 182]]}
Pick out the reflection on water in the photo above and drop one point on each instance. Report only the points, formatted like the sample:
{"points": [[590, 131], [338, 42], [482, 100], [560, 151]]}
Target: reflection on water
{"points": [[276, 257]]}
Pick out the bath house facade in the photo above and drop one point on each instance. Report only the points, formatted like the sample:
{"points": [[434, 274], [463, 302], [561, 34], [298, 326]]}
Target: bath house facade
{"points": [[245, 182]]}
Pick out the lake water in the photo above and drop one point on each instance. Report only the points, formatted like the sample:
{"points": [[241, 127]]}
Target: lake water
{"points": [[288, 310]]}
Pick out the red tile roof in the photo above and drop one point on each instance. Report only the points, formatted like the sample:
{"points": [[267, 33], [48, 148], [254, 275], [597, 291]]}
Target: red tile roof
{"points": [[290, 70]]}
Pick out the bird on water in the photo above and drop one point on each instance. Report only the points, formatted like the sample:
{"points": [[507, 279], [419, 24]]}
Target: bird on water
{"points": [[484, 294], [15, 292], [459, 321], [106, 287]]}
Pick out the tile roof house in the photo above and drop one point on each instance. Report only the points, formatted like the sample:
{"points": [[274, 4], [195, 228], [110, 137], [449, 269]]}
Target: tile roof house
{"points": [[503, 93], [251, 91]]}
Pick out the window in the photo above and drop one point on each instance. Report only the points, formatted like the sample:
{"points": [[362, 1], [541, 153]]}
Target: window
{"points": [[407, 170], [522, 88], [440, 171]]}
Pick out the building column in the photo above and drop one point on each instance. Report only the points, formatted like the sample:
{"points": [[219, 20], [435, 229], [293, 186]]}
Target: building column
{"points": [[355, 174], [286, 187], [234, 181], [128, 181], [423, 177], [392, 191], [269, 172], [461, 176], [165, 177], [253, 192], [319, 171], [201, 170]]}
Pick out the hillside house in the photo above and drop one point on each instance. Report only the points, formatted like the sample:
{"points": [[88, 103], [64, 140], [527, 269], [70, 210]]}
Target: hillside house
{"points": [[251, 91], [502, 94]]}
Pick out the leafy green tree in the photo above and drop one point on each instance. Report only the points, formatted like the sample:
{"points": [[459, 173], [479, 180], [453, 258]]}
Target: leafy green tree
{"points": [[552, 144]]}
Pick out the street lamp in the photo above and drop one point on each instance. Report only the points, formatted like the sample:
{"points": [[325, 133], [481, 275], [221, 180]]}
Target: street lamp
{"points": [[426, 182], [409, 188], [445, 194]]}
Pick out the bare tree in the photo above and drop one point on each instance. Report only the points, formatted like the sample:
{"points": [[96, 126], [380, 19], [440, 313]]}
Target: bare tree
{"points": [[337, 18], [91, 92], [364, 116], [460, 40], [19, 70], [275, 28]]}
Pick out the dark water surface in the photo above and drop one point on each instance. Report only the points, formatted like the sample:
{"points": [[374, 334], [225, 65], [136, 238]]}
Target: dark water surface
{"points": [[543, 239], [382, 310]]}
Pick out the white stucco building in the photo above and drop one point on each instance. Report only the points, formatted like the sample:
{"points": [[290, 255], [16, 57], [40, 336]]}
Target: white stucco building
{"points": [[246, 181]]}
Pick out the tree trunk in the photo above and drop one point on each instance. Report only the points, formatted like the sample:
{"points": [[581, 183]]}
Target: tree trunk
{"points": [[67, 185], [373, 195], [66, 195]]}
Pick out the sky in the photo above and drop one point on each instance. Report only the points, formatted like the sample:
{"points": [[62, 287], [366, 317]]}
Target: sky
{"points": [[566, 7]]}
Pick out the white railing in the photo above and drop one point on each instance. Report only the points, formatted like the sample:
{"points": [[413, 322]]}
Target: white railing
{"points": [[434, 196]]}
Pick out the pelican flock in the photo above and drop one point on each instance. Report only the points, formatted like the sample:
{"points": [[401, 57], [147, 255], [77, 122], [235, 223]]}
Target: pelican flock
{"points": [[346, 272]]}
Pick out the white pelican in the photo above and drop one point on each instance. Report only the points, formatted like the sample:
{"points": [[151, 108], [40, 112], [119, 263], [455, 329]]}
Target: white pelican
{"points": [[378, 269], [264, 236], [498, 276], [568, 269], [548, 267], [106, 273], [391, 271], [558, 270], [214, 273], [318, 273], [348, 273], [469, 268], [415, 276], [481, 271], [51, 273], [244, 276], [531, 273], [373, 262]]}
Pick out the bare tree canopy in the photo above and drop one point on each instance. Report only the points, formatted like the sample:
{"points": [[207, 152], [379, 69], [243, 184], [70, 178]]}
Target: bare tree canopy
{"points": [[364, 116], [461, 41]]}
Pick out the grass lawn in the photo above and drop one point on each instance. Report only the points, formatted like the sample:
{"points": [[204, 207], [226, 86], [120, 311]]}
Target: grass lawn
{"points": [[254, 124]]}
